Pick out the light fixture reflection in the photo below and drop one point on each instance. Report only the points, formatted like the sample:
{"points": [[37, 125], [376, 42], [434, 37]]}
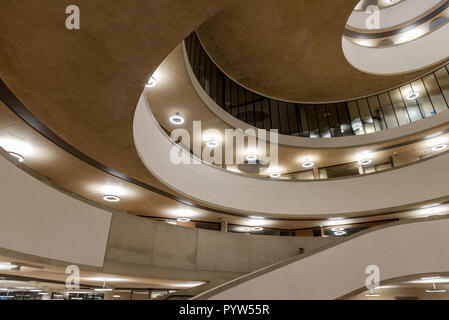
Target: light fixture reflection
{"points": [[365, 162], [251, 157], [177, 119], [111, 198], [152, 82], [275, 175], [439, 147], [17, 156], [212, 143], [308, 164], [413, 96]]}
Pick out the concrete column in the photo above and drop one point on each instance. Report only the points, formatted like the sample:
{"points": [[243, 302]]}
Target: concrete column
{"points": [[224, 226], [361, 171], [109, 295], [316, 173]]}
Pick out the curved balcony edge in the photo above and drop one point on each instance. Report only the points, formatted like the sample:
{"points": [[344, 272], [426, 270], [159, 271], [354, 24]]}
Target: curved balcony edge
{"points": [[425, 181], [404, 131], [395, 15], [411, 56]]}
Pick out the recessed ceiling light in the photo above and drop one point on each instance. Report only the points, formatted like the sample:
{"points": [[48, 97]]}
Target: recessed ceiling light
{"points": [[372, 295], [103, 289], [251, 157], [431, 205], [431, 278], [177, 119], [257, 218], [152, 82], [436, 290], [413, 96], [338, 229], [365, 162], [439, 147], [257, 229], [338, 218], [339, 233], [111, 198], [17, 156], [308, 164], [183, 219], [275, 175], [116, 296], [212, 143]]}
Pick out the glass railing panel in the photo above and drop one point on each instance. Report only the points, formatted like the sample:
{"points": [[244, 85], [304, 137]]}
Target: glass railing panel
{"points": [[412, 105], [314, 130], [356, 121], [363, 116], [435, 93], [367, 118], [423, 100], [399, 107], [442, 76], [377, 113]]}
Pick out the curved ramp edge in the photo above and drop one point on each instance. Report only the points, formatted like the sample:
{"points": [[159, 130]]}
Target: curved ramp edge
{"points": [[398, 250]]}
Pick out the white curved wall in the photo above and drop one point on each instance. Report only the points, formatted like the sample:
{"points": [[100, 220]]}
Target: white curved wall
{"points": [[394, 15], [401, 250], [424, 181], [38, 220], [411, 56], [320, 143]]}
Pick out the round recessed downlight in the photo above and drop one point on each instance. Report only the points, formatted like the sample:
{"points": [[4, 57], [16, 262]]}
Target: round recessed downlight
{"points": [[177, 119], [413, 96], [212, 143], [275, 175], [183, 220], [257, 229], [308, 164], [372, 295], [111, 198], [340, 233], [17, 156], [365, 162], [152, 82], [338, 229], [251, 157], [439, 147], [103, 289]]}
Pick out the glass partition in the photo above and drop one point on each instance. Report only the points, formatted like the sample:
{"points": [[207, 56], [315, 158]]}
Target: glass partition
{"points": [[411, 102]]}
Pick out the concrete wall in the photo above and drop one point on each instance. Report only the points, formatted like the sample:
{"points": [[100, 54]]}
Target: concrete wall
{"points": [[400, 250], [38, 220], [41, 224], [163, 250]]}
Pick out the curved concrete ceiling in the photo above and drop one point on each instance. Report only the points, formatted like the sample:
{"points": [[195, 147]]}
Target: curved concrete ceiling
{"points": [[84, 84], [290, 50]]}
